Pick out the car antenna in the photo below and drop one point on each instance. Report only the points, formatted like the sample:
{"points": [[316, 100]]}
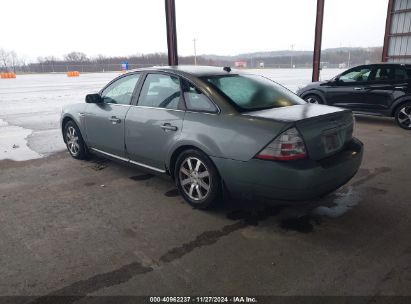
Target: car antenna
{"points": [[227, 69]]}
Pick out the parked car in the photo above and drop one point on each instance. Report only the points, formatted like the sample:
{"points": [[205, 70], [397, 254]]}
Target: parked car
{"points": [[213, 130], [375, 89]]}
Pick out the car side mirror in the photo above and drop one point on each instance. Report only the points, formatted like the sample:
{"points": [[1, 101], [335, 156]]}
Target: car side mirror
{"points": [[93, 98], [336, 80]]}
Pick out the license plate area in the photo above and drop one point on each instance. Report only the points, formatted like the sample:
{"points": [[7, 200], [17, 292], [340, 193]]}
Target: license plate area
{"points": [[332, 140]]}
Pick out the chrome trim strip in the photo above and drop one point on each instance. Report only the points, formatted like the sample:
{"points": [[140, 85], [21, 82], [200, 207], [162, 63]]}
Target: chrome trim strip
{"points": [[117, 104], [157, 108], [129, 161], [176, 110], [112, 155], [147, 166]]}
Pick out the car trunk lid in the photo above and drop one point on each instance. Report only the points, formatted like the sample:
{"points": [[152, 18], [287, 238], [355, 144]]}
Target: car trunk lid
{"points": [[325, 130]]}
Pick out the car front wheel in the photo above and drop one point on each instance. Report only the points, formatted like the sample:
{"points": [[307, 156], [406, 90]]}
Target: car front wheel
{"points": [[197, 179], [313, 99], [403, 116], [74, 141]]}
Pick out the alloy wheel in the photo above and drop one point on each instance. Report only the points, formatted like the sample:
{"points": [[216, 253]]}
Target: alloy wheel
{"points": [[195, 178], [404, 117], [311, 99], [72, 140]]}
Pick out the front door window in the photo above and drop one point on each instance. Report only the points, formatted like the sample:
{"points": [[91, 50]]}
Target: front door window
{"points": [[356, 75], [120, 91]]}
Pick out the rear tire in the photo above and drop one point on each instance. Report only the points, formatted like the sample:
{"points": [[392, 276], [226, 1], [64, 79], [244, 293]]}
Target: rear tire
{"points": [[403, 115], [312, 98], [74, 141], [197, 179]]}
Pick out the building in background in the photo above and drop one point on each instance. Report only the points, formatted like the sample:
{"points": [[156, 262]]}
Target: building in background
{"points": [[397, 39], [240, 64]]}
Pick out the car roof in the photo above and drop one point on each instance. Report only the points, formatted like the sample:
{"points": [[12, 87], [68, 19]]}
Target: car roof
{"points": [[195, 70], [407, 65]]}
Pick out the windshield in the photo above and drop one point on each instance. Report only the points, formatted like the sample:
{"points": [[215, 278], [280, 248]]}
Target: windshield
{"points": [[252, 92]]}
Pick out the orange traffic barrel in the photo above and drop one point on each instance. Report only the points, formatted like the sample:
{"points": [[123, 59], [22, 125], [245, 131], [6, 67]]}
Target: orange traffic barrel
{"points": [[7, 75], [73, 73]]}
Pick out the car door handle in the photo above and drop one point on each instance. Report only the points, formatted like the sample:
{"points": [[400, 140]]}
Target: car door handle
{"points": [[358, 89], [168, 127], [114, 120], [400, 88]]}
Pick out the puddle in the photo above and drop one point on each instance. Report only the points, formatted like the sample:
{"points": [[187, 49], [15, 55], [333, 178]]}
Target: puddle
{"points": [[141, 177], [172, 193], [13, 143], [89, 184]]}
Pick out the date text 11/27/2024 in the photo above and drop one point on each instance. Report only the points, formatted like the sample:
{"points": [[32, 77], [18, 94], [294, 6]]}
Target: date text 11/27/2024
{"points": [[203, 300]]}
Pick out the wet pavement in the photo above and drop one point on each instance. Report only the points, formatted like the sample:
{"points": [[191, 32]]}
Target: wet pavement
{"points": [[98, 227]]}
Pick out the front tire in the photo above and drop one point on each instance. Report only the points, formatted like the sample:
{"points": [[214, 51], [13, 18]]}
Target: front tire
{"points": [[312, 98], [197, 179], [403, 115], [74, 141]]}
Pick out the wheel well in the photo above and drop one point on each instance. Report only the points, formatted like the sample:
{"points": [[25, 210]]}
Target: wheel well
{"points": [[63, 125], [397, 106], [174, 156]]}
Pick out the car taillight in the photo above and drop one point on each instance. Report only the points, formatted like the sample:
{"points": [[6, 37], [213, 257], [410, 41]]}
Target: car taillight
{"points": [[289, 145]]}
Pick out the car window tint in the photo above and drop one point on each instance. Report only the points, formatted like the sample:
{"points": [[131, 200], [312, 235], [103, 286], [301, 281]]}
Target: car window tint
{"points": [[400, 74], [252, 92], [196, 100], [120, 91], [384, 74], [356, 75], [160, 91]]}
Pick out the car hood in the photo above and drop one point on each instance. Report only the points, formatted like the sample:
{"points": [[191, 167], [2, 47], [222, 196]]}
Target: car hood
{"points": [[309, 86], [295, 113]]}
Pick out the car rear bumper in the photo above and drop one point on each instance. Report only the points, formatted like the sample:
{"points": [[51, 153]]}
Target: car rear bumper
{"points": [[295, 180]]}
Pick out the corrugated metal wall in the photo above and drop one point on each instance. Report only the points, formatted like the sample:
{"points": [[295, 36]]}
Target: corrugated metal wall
{"points": [[398, 40]]}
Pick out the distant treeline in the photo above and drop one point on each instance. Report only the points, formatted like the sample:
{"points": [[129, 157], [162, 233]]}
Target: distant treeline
{"points": [[78, 61]]}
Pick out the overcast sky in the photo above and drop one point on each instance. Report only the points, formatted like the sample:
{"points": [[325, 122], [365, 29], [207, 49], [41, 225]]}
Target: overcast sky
{"points": [[225, 27]]}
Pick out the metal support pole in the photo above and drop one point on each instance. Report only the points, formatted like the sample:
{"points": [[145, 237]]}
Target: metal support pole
{"points": [[387, 31], [317, 42], [195, 52], [171, 32]]}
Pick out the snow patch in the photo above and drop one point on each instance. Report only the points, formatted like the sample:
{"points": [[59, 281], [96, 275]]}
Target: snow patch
{"points": [[13, 144], [343, 203]]}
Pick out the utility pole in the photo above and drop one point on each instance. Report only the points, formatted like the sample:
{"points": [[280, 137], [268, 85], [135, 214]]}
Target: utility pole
{"points": [[195, 51], [292, 49]]}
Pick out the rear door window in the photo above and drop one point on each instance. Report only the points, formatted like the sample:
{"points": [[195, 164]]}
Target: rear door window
{"points": [[384, 74], [161, 91]]}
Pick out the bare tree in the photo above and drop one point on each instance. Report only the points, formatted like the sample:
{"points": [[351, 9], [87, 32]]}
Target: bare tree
{"points": [[4, 59], [14, 60], [76, 57]]}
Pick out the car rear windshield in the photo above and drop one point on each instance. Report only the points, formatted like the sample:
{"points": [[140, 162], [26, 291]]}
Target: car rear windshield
{"points": [[252, 92]]}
